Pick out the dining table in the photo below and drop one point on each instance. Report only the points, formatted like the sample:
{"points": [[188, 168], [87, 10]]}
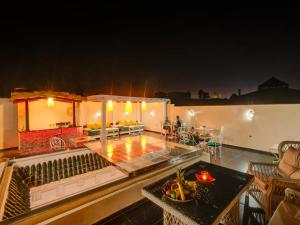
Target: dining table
{"points": [[216, 201]]}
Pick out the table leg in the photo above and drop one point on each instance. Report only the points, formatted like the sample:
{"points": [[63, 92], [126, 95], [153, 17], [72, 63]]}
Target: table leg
{"points": [[170, 219], [233, 216]]}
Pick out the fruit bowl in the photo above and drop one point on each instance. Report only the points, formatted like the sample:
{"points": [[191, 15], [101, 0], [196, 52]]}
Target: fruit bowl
{"points": [[180, 190]]}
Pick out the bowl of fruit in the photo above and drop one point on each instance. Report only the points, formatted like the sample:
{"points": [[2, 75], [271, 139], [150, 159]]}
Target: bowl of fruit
{"points": [[179, 189]]}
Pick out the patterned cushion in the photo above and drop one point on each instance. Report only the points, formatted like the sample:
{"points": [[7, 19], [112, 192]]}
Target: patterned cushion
{"points": [[290, 163], [213, 144]]}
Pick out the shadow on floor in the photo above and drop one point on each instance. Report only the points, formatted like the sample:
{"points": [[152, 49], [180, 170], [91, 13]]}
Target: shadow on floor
{"points": [[145, 212]]}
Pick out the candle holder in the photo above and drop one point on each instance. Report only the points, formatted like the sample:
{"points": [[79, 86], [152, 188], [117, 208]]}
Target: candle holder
{"points": [[204, 177]]}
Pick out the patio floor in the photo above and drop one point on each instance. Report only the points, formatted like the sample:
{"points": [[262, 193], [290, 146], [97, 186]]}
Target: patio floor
{"points": [[147, 213]]}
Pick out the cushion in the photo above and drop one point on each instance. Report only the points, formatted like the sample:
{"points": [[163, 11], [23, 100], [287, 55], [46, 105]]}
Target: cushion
{"points": [[286, 213], [295, 175], [213, 144], [289, 163]]}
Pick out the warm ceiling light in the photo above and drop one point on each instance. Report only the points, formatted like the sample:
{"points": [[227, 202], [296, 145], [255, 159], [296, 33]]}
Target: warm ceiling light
{"points": [[249, 114], [144, 107], [110, 106], [128, 107], [50, 102], [191, 113], [152, 113]]}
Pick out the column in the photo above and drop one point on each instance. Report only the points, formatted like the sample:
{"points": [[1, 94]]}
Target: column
{"points": [[74, 114], [103, 122], [165, 110], [27, 115], [139, 111], [114, 113]]}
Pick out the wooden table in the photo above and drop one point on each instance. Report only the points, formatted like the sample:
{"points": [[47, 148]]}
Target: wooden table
{"points": [[80, 141], [216, 202]]}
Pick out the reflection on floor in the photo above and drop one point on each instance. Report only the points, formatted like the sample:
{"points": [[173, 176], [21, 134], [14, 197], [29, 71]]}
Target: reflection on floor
{"points": [[145, 212], [134, 153]]}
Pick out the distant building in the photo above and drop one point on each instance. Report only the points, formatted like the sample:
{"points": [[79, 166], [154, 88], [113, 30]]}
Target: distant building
{"points": [[272, 91], [160, 95], [179, 95], [272, 83]]}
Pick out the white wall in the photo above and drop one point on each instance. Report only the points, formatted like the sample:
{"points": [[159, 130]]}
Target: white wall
{"points": [[41, 116], [88, 112], [8, 124], [270, 125], [153, 116]]}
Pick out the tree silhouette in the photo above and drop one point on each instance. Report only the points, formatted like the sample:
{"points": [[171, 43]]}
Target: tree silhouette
{"points": [[203, 94]]}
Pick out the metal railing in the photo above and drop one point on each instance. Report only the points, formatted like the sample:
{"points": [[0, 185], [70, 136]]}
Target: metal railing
{"points": [[47, 172]]}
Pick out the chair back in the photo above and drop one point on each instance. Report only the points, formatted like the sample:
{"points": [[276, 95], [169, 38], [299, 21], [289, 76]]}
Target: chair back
{"points": [[221, 135], [283, 146], [186, 137], [182, 130], [57, 143]]}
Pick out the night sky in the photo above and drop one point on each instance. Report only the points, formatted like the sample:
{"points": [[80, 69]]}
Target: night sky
{"points": [[137, 49]]}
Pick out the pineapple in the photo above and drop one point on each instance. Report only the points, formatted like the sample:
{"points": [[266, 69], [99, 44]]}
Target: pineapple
{"points": [[180, 182]]}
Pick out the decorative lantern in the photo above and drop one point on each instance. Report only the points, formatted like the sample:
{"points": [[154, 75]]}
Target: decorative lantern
{"points": [[110, 106], [128, 107], [50, 102], [204, 177], [144, 107]]}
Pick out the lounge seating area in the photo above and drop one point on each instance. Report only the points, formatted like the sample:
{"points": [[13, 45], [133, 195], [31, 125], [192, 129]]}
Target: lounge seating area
{"points": [[272, 179], [130, 127]]}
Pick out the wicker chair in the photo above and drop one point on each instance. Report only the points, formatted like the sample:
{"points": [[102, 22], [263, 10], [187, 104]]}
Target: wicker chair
{"points": [[288, 209], [57, 143], [268, 186]]}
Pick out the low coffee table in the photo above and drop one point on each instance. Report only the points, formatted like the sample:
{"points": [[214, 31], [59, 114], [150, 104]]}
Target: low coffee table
{"points": [[80, 141], [216, 202]]}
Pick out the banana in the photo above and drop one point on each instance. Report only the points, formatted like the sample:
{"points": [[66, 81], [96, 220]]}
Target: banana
{"points": [[181, 190]]}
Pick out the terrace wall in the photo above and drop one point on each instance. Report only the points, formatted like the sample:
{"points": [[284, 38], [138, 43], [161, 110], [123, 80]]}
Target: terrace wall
{"points": [[271, 124], [8, 124], [153, 116]]}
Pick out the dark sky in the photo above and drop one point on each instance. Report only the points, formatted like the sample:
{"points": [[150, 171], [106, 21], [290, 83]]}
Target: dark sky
{"points": [[122, 48]]}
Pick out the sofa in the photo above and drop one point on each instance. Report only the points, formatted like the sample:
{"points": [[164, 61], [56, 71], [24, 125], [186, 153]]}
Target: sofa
{"points": [[121, 127]]}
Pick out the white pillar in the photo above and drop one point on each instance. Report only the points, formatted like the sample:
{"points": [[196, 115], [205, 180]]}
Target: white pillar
{"points": [[139, 111], [165, 110], [114, 113], [103, 122]]}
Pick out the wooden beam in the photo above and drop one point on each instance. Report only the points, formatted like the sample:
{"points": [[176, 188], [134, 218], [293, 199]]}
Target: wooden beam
{"points": [[38, 98], [27, 115], [74, 114]]}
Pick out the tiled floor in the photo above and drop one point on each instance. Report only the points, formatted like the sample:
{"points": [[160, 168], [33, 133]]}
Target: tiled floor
{"points": [[134, 153], [146, 213]]}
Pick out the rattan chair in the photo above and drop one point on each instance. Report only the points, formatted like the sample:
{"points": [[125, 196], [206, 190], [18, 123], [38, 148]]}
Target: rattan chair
{"points": [[288, 210], [268, 186], [186, 138], [57, 143]]}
